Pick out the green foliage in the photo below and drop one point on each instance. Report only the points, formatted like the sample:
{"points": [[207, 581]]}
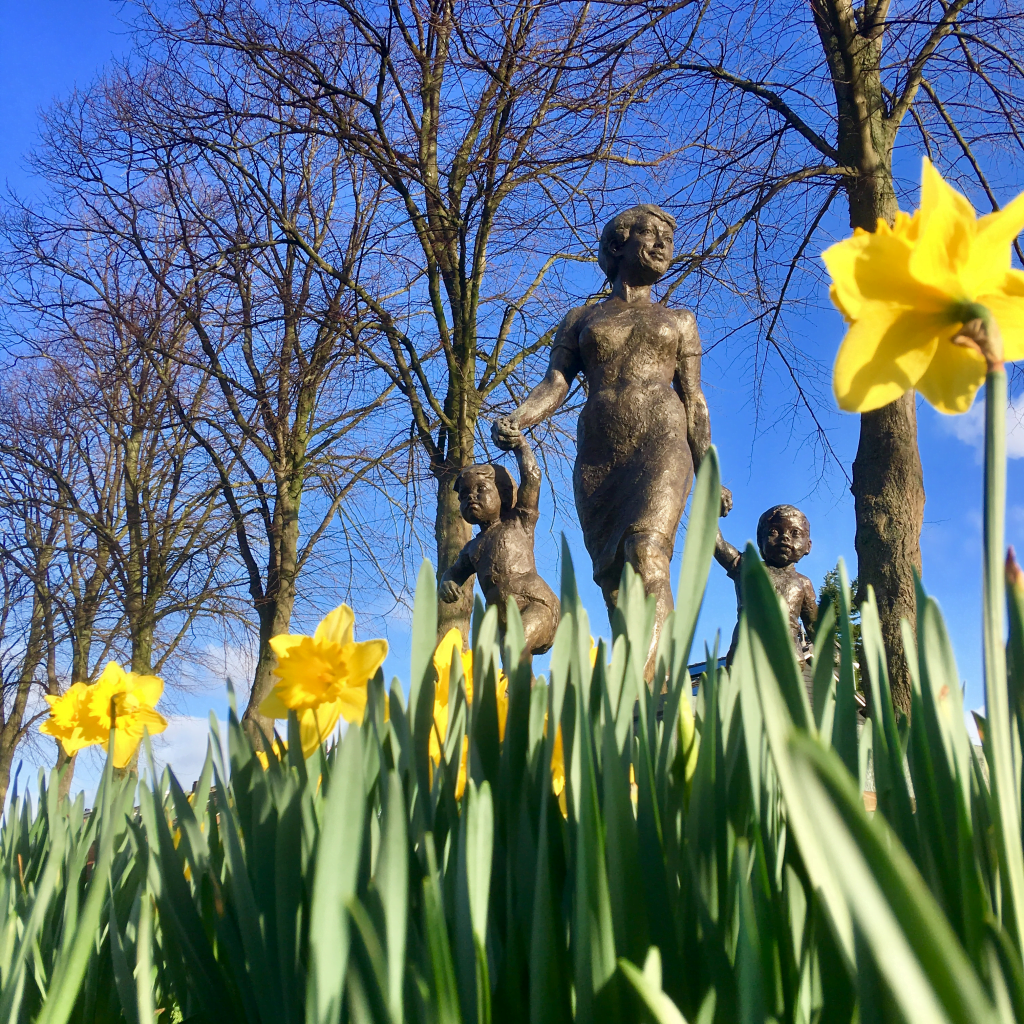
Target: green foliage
{"points": [[828, 594], [741, 881]]}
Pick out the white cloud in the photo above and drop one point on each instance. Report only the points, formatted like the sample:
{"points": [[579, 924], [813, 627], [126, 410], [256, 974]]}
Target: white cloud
{"points": [[969, 427], [182, 746]]}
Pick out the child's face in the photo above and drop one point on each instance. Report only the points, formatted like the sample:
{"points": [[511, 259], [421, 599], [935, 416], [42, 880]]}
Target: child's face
{"points": [[786, 540], [479, 501]]}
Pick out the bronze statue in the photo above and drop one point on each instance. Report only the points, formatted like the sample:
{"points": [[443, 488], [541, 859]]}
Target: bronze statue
{"points": [[645, 422], [501, 554], [783, 538]]}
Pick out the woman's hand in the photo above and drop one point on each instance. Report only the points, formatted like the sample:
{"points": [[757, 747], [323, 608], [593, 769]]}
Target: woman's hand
{"points": [[505, 433], [449, 591]]}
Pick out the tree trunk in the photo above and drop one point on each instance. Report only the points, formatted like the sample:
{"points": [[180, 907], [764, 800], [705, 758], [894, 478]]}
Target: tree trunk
{"points": [[64, 786], [888, 484], [452, 533], [276, 607], [888, 494], [142, 649], [275, 619]]}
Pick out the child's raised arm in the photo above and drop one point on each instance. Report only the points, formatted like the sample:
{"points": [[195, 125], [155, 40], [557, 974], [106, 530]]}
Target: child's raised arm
{"points": [[530, 477], [726, 555]]}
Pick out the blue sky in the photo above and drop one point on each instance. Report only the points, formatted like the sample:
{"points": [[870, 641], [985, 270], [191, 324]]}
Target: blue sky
{"points": [[49, 46]]}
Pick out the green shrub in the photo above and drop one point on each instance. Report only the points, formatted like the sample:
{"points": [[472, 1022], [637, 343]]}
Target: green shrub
{"points": [[744, 881]]}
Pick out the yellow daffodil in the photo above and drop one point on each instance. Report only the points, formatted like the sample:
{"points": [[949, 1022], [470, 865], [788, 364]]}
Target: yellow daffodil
{"points": [[280, 749], [906, 291], [558, 772], [69, 722], [444, 655], [323, 677], [134, 698], [81, 717]]}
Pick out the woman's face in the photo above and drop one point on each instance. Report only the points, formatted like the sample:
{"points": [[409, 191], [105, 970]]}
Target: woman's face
{"points": [[647, 253]]}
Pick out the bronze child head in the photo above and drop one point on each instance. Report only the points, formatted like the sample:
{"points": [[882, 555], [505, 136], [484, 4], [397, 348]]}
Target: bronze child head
{"points": [[486, 493], [783, 536]]}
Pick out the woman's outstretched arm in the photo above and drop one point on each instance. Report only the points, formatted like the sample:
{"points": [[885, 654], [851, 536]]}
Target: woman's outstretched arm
{"points": [[550, 393]]}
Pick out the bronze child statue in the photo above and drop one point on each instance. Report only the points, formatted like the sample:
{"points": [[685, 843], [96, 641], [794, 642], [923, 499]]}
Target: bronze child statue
{"points": [[501, 554], [783, 538]]}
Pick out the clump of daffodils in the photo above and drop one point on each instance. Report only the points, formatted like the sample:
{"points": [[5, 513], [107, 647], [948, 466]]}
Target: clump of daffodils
{"points": [[447, 651], [323, 677], [907, 292], [445, 654], [82, 716]]}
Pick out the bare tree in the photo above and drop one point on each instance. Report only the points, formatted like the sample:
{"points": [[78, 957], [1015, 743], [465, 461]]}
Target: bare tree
{"points": [[52, 566], [28, 542], [257, 348], [491, 131], [788, 108]]}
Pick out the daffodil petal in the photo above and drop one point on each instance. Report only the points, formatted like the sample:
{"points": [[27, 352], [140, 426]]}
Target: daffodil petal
{"points": [[316, 726], [884, 354], [1007, 308], [363, 659], [953, 378], [990, 253], [125, 746], [444, 655], [352, 702], [947, 230], [150, 719], [284, 642], [875, 267], [148, 689], [112, 675], [272, 706], [337, 626]]}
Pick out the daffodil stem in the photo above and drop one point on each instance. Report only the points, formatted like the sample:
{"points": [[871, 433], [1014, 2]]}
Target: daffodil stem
{"points": [[1004, 786]]}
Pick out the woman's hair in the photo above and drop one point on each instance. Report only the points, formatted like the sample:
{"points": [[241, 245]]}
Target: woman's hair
{"points": [[778, 512], [502, 480], [616, 233]]}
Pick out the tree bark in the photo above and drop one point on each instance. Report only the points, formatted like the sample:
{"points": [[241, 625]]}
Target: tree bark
{"points": [[277, 604], [888, 494], [275, 619], [64, 786], [888, 483]]}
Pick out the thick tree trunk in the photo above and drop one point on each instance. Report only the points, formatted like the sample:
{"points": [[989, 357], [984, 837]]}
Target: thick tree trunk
{"points": [[888, 493], [275, 619], [451, 533], [888, 485], [64, 786], [276, 605], [142, 649]]}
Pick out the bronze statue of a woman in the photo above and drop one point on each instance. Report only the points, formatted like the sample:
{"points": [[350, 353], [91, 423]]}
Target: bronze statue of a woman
{"points": [[645, 422]]}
